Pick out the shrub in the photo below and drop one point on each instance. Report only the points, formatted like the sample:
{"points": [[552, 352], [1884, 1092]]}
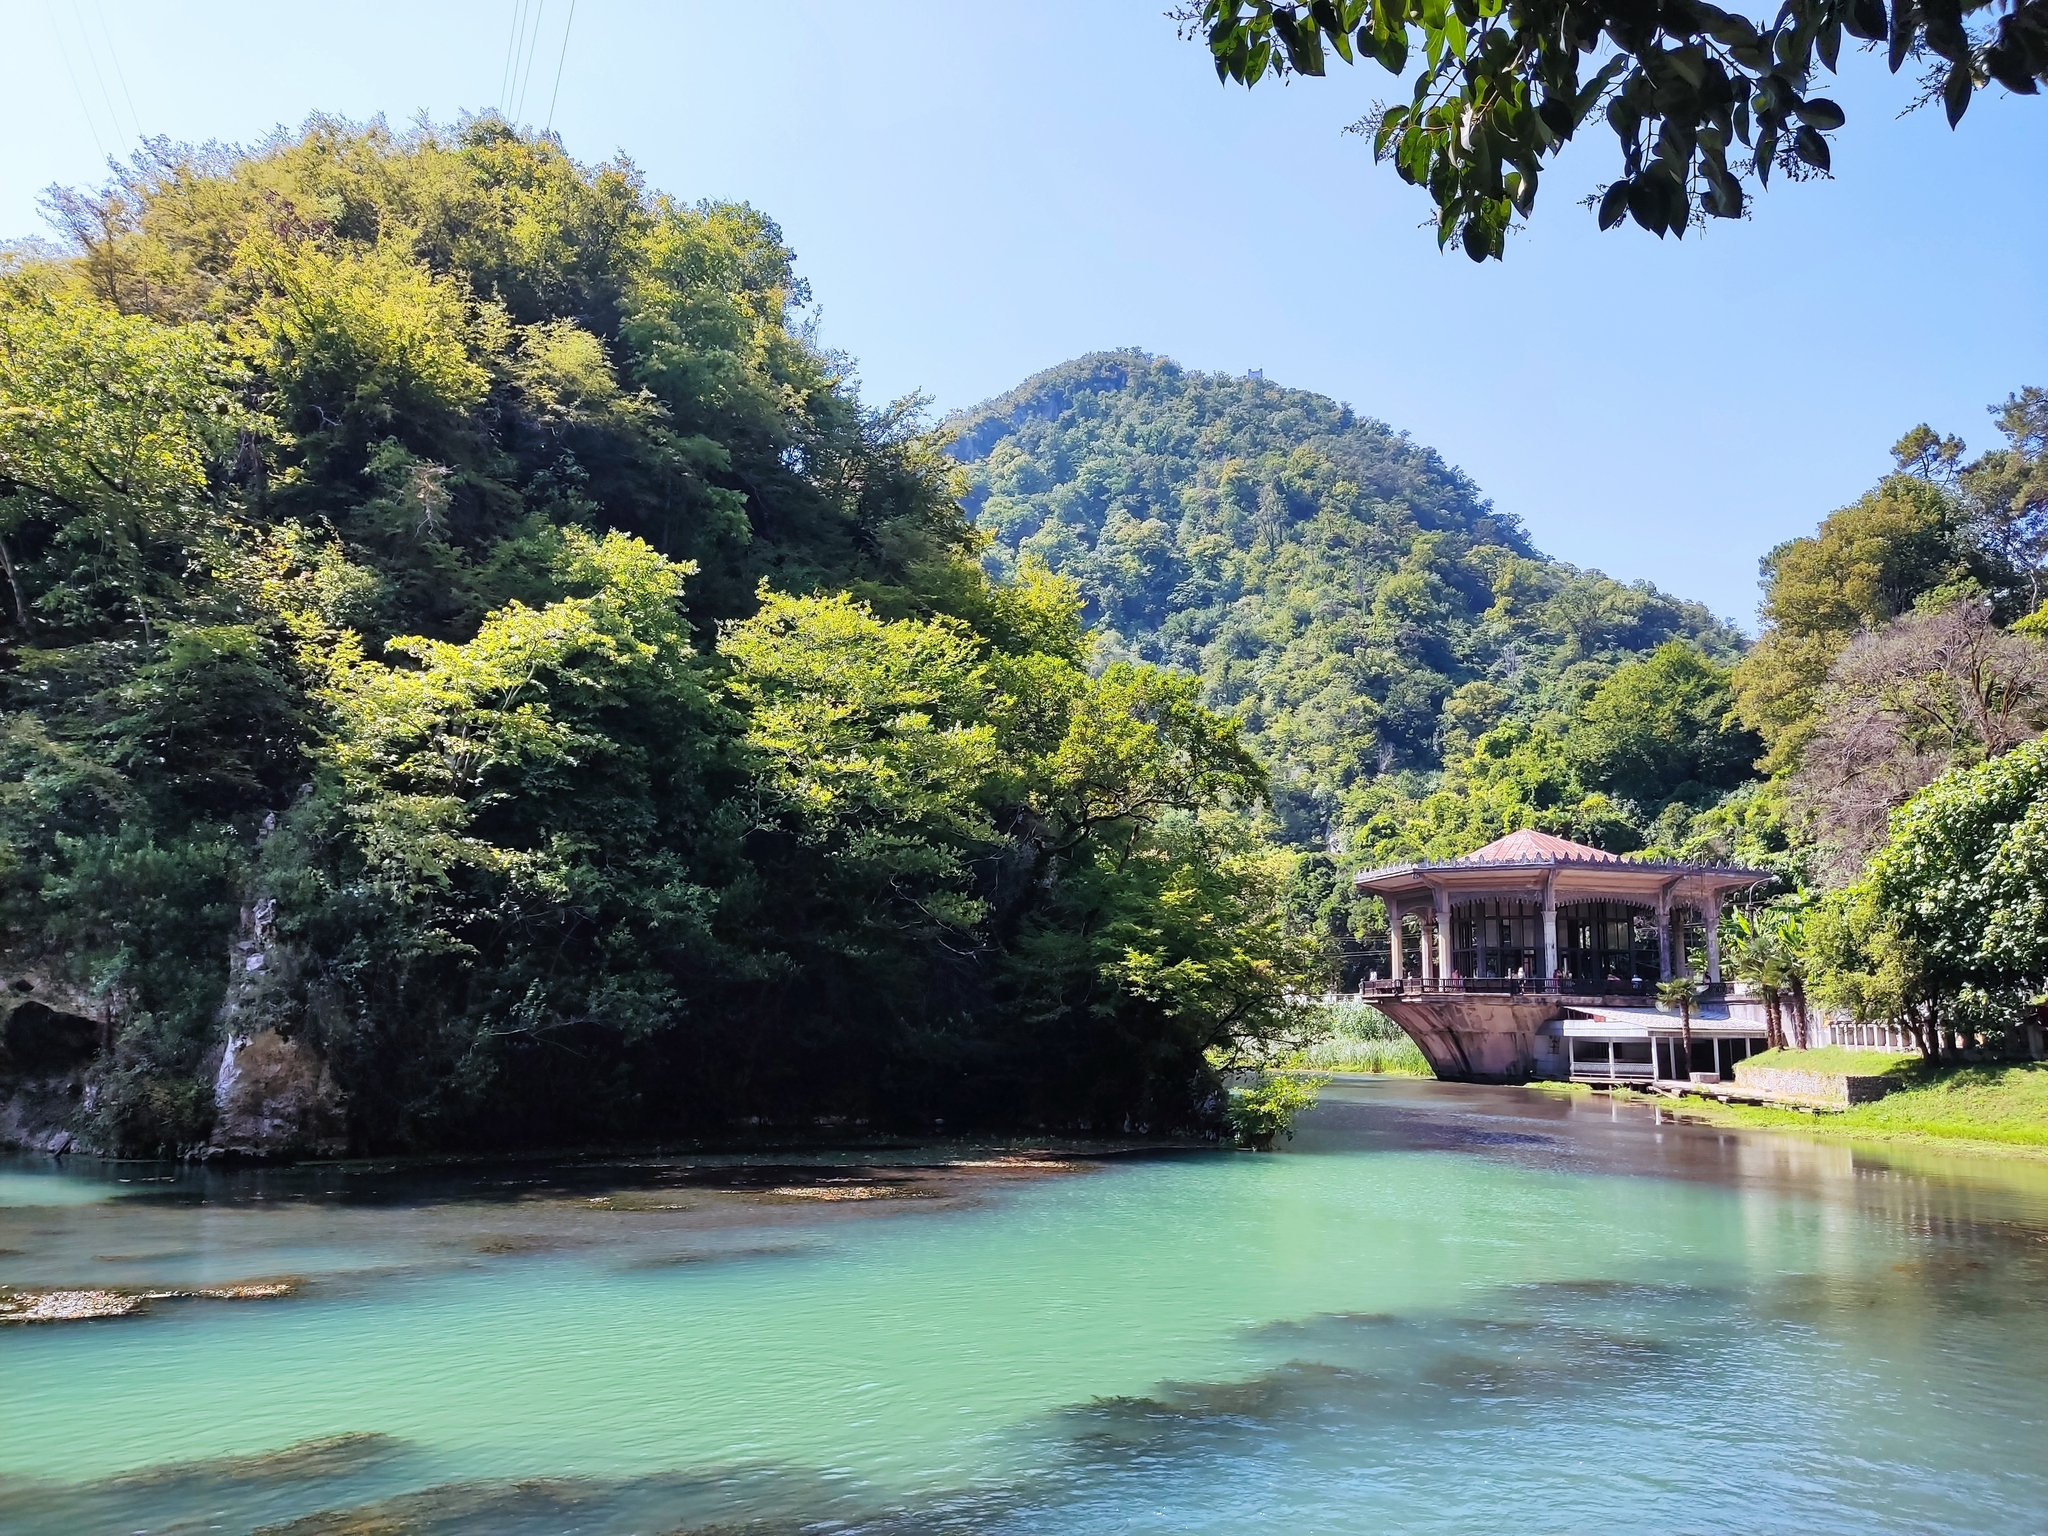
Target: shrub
{"points": [[1265, 1108]]}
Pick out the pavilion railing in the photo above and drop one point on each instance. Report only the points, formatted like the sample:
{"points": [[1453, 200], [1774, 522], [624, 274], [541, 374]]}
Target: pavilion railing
{"points": [[1518, 986]]}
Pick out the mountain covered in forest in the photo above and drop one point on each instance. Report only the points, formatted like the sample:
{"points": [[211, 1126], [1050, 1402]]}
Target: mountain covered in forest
{"points": [[1353, 600]]}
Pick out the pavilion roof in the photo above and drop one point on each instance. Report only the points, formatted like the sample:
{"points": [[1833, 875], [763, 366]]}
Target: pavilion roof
{"points": [[1529, 863], [1529, 844]]}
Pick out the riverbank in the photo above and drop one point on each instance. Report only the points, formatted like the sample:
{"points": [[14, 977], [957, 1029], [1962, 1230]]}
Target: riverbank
{"points": [[1997, 1109], [1358, 1039]]}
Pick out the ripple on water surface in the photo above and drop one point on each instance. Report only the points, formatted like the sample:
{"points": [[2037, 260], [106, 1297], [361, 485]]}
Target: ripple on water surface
{"points": [[1439, 1309]]}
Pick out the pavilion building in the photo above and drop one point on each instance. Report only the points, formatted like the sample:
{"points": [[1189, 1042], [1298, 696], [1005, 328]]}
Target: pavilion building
{"points": [[1538, 956]]}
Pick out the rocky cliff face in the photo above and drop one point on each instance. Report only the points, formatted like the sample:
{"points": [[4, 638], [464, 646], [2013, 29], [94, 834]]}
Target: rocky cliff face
{"points": [[273, 1095], [49, 1035]]}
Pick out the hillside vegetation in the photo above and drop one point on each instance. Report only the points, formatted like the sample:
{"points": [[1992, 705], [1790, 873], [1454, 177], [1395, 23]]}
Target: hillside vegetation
{"points": [[456, 621], [1379, 629]]}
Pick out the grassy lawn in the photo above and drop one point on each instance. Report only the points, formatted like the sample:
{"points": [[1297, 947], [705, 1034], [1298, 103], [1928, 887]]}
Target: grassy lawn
{"points": [[2001, 1107], [1838, 1058]]}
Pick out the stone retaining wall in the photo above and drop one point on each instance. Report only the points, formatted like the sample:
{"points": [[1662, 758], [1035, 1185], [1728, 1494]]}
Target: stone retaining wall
{"points": [[1818, 1087]]}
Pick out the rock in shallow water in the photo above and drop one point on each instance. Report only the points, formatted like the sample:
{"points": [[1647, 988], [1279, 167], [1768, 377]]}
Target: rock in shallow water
{"points": [[84, 1306]]}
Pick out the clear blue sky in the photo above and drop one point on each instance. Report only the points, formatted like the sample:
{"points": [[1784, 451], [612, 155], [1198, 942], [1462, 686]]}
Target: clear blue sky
{"points": [[977, 191]]}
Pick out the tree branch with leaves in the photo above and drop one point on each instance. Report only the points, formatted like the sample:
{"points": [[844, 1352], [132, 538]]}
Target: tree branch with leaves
{"points": [[1702, 101]]}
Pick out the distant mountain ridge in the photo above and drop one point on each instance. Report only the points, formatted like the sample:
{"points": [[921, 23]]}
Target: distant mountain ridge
{"points": [[1354, 599]]}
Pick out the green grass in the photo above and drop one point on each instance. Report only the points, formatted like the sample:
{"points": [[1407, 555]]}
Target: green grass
{"points": [[1992, 1107], [1359, 1038], [1838, 1058]]}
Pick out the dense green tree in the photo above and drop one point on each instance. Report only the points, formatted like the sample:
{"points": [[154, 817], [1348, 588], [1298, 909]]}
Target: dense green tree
{"points": [[1515, 776], [1866, 564], [1964, 883], [449, 574], [1662, 729]]}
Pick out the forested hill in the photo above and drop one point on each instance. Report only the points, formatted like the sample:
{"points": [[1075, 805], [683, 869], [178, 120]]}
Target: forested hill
{"points": [[473, 673], [1348, 595]]}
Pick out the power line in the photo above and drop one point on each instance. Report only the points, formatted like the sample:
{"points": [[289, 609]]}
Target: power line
{"points": [[77, 90], [120, 74], [532, 42], [511, 52], [92, 57], [555, 95]]}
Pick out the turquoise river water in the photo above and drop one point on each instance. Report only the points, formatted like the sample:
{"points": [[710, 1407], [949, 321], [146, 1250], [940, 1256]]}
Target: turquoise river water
{"points": [[1439, 1309]]}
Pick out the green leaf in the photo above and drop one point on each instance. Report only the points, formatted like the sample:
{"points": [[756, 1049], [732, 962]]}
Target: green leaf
{"points": [[1905, 19], [1390, 125], [1477, 244], [1734, 31], [1614, 204], [1955, 92], [1447, 223], [1809, 146], [1829, 43], [1646, 205], [1597, 86], [1819, 112], [1677, 206], [1866, 19]]}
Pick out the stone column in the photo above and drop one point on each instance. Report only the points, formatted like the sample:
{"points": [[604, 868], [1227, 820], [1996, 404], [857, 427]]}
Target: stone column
{"points": [[1443, 934], [1549, 930], [1394, 939], [1664, 971], [1428, 948], [1714, 939]]}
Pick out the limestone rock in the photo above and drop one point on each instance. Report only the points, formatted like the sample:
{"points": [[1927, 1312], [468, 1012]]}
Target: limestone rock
{"points": [[44, 1053], [275, 1097]]}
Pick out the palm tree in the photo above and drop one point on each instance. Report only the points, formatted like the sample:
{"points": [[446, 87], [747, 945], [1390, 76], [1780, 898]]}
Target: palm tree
{"points": [[1682, 993], [1768, 948], [1789, 928], [1754, 953]]}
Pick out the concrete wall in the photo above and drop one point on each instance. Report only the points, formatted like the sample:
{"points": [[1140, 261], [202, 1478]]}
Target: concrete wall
{"points": [[1479, 1038], [1820, 1087]]}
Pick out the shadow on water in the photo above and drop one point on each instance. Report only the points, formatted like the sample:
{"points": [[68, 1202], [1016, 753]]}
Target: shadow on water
{"points": [[338, 1227]]}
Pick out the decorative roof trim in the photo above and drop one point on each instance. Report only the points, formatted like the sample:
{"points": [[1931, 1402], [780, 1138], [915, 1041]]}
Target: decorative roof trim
{"points": [[1613, 862]]}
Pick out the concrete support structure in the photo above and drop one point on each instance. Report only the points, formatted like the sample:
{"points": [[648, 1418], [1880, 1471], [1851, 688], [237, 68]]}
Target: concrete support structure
{"points": [[1394, 956], [1714, 940], [1443, 934], [1664, 971], [1549, 929], [1428, 949]]}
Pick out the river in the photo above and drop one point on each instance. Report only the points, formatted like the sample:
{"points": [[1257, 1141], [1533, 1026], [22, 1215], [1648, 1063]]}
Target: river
{"points": [[1439, 1309]]}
